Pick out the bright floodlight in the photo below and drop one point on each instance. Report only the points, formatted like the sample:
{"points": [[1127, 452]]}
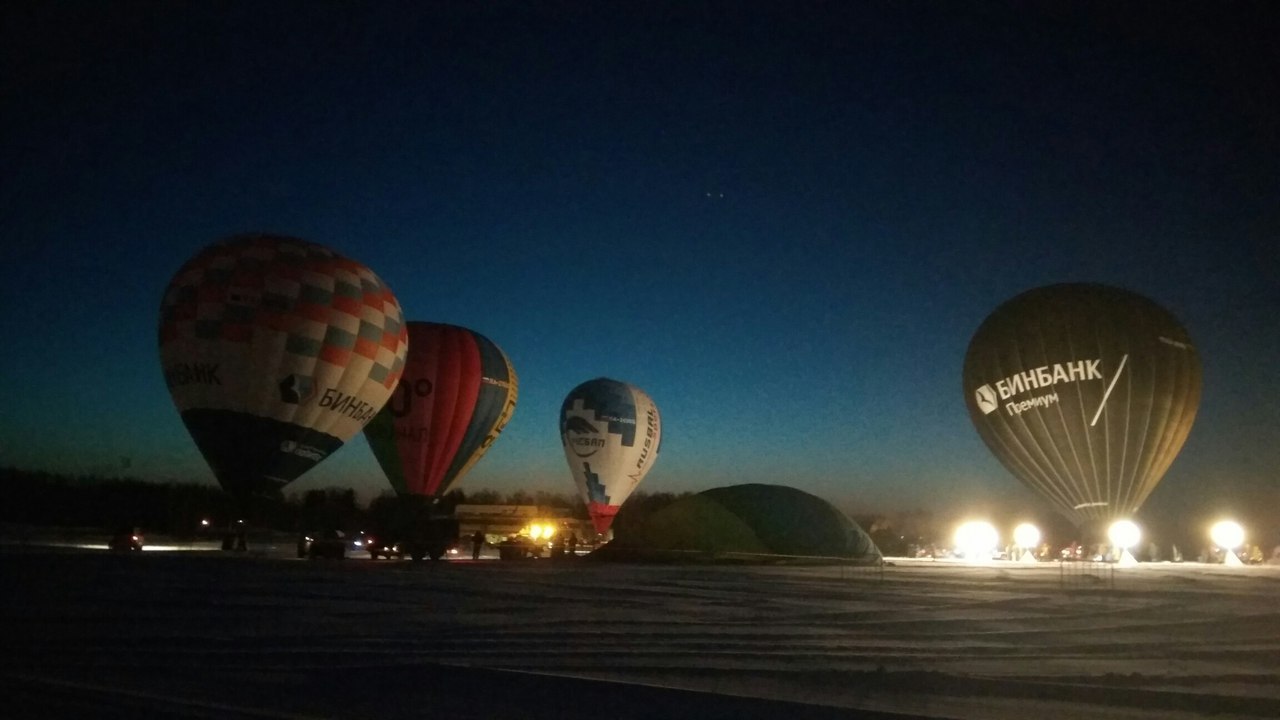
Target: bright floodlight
{"points": [[1227, 534], [1026, 536], [1124, 534], [977, 539]]}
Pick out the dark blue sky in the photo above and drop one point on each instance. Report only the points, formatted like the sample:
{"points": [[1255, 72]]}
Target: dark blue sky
{"points": [[783, 221]]}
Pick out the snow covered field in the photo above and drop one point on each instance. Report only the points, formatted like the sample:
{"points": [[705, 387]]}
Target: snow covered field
{"points": [[217, 635]]}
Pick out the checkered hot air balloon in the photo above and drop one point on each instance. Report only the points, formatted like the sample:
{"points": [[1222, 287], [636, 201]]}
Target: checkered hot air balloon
{"points": [[611, 432], [457, 392], [276, 352]]}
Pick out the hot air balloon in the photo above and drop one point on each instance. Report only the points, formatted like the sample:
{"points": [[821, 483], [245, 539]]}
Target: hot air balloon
{"points": [[276, 352], [611, 433], [457, 393], [1085, 393]]}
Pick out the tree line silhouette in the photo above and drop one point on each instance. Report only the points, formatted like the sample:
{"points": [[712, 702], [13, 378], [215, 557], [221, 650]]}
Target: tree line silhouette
{"points": [[46, 499], [52, 500]]}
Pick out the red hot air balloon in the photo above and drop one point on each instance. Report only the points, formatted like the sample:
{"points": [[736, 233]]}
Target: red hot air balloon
{"points": [[457, 393], [276, 352]]}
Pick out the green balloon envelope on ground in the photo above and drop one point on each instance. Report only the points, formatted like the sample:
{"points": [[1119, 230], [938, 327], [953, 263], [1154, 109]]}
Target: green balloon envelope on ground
{"points": [[767, 521]]}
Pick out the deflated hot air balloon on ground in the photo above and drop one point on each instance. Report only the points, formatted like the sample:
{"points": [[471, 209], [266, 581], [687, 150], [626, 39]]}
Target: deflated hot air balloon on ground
{"points": [[457, 393], [276, 352], [764, 523], [611, 433], [1085, 393]]}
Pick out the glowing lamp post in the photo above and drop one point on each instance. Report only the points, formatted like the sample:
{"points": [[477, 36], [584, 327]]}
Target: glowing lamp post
{"points": [[1124, 534], [1228, 535], [1026, 537], [976, 540]]}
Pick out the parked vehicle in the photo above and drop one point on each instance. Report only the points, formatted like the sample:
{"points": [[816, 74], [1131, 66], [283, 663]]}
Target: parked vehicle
{"points": [[520, 547], [330, 544], [379, 545], [431, 537]]}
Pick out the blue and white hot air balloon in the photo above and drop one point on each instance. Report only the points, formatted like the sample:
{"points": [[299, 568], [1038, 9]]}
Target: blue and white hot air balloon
{"points": [[611, 432]]}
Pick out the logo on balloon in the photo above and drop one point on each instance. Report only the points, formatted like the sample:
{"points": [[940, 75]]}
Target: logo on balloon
{"points": [[582, 437], [295, 448], [188, 373], [296, 389], [986, 399], [401, 402]]}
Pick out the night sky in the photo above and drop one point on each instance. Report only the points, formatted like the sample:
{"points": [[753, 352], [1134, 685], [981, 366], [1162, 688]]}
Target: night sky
{"points": [[783, 221]]}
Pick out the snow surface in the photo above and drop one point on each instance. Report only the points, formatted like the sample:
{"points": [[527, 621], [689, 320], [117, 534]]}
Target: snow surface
{"points": [[928, 638]]}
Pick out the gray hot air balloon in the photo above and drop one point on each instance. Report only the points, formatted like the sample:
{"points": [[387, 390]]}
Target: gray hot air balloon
{"points": [[1085, 393]]}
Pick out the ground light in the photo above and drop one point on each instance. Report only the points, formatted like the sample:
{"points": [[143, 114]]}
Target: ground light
{"points": [[1026, 537], [541, 532], [977, 539], [1228, 535], [1124, 534]]}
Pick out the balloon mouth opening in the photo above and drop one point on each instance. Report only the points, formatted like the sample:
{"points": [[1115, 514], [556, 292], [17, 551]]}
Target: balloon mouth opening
{"points": [[602, 516]]}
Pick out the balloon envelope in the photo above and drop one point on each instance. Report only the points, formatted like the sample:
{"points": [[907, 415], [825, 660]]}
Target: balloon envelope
{"points": [[457, 393], [276, 352], [611, 434], [1085, 393]]}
